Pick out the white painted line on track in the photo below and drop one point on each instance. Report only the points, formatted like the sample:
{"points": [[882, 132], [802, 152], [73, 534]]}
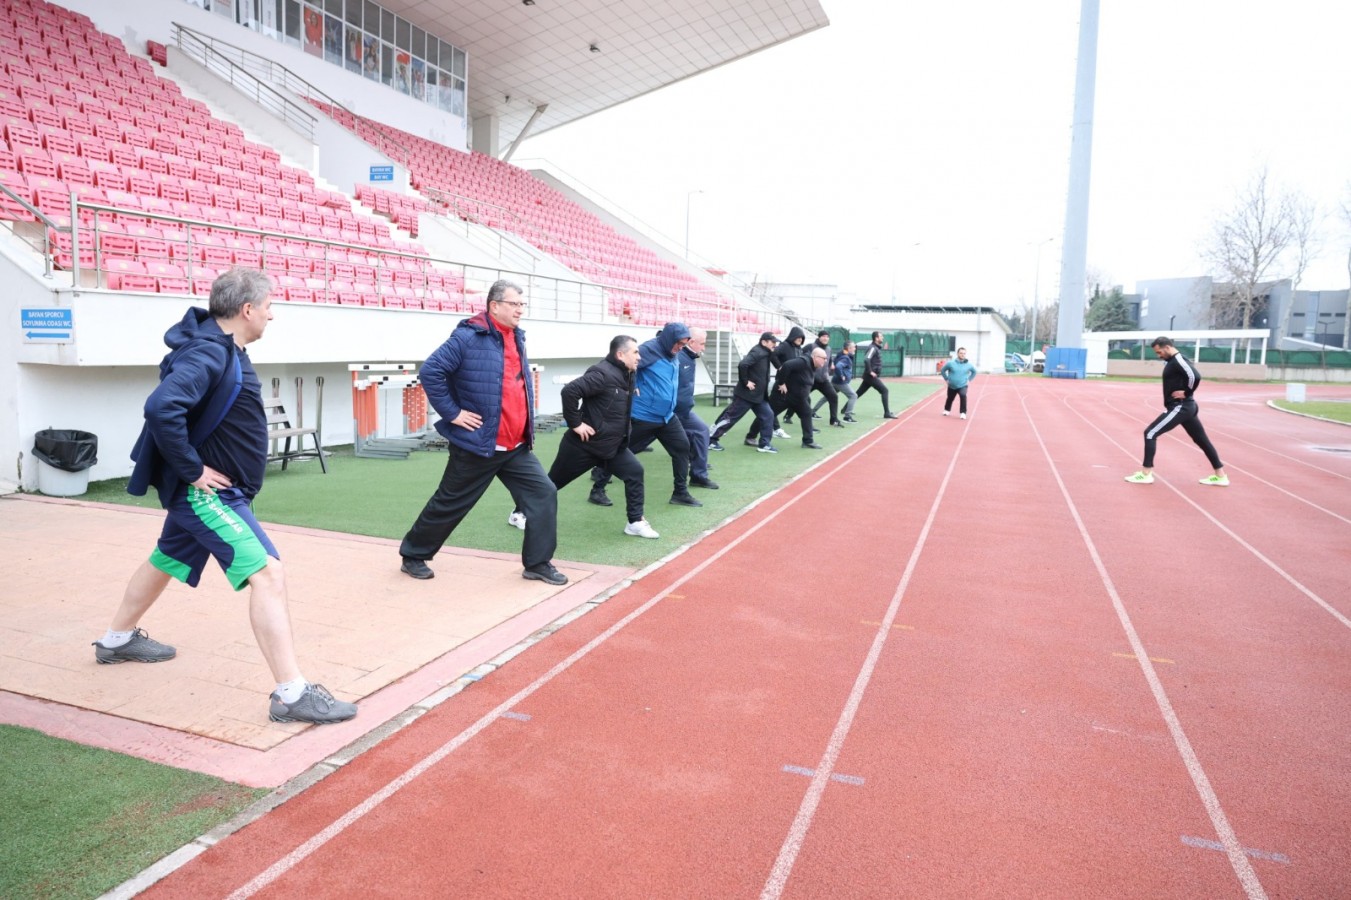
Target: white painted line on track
{"points": [[356, 813], [797, 832], [1238, 858], [1328, 607]]}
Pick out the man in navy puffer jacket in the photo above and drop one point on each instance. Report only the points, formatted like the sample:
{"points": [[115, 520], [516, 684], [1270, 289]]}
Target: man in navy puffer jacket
{"points": [[479, 382]]}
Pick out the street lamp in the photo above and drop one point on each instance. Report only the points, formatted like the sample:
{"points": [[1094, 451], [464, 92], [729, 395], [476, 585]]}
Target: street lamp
{"points": [[688, 197], [1036, 302]]}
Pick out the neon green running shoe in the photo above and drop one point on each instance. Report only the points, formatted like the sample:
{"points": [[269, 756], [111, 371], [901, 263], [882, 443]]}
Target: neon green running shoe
{"points": [[1141, 478], [1217, 480]]}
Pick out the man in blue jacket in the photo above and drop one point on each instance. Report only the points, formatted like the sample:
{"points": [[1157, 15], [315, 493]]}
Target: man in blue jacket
{"points": [[958, 373], [654, 412], [204, 450], [696, 430], [479, 382]]}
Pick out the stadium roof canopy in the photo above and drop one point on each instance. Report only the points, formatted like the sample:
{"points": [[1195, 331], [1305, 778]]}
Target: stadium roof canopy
{"points": [[540, 52]]}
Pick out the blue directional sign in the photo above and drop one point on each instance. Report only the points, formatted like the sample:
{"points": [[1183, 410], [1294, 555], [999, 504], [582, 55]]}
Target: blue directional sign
{"points": [[47, 325], [382, 173]]}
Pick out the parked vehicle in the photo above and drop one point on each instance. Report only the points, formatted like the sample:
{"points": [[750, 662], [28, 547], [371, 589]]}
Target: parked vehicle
{"points": [[1015, 362]]}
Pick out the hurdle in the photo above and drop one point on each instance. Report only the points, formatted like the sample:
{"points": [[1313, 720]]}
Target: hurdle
{"points": [[378, 431]]}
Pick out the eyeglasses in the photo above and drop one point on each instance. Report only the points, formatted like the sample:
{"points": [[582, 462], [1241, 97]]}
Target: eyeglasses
{"points": [[518, 304]]}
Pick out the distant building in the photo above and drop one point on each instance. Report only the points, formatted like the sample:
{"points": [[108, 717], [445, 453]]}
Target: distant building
{"points": [[1292, 317]]}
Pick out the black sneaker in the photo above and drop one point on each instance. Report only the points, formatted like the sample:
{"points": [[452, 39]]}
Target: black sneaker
{"points": [[850, 419], [139, 649], [544, 572], [599, 497], [812, 446], [315, 705], [890, 416], [816, 415], [714, 445], [836, 424], [684, 499], [705, 483], [417, 568]]}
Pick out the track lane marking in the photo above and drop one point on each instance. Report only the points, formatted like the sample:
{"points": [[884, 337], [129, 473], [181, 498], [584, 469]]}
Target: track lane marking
{"points": [[1238, 859], [356, 813], [797, 832]]}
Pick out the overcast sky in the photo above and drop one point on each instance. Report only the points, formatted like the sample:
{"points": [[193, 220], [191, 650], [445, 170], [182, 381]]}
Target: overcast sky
{"points": [[927, 145]]}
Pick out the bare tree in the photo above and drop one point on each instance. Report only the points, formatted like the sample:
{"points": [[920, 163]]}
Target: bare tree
{"points": [[1252, 245], [1306, 244]]}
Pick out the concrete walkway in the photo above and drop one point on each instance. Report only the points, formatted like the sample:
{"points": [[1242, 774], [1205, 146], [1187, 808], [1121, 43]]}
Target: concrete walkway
{"points": [[363, 629]]}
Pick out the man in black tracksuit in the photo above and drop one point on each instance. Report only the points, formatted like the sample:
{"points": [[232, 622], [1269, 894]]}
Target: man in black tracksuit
{"points": [[1180, 380], [793, 389], [596, 407], [750, 393], [872, 375], [791, 348]]}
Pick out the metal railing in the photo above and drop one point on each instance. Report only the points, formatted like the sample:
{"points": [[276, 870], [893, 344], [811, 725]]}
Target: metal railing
{"points": [[49, 227], [265, 69]]}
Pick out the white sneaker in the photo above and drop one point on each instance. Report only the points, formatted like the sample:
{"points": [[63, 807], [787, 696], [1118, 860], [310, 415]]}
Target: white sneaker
{"points": [[517, 520], [963, 415], [780, 433], [640, 529], [1141, 478], [945, 412]]}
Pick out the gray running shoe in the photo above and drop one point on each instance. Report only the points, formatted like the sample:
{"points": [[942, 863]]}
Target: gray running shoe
{"points": [[140, 649], [315, 705]]}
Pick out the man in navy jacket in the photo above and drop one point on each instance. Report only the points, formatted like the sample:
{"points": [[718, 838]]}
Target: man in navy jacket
{"points": [[204, 450], [479, 382]]}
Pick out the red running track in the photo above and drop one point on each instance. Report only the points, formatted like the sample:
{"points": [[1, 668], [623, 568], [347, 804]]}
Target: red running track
{"points": [[957, 659]]}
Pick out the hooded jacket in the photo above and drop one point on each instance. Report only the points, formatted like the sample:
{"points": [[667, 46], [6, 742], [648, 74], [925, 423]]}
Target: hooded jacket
{"points": [[466, 373], [842, 368], [601, 397], [958, 373], [200, 379], [658, 378], [791, 347], [753, 368]]}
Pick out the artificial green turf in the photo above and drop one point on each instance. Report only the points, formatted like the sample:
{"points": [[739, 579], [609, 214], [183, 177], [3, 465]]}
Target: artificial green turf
{"points": [[78, 821], [382, 497], [1323, 409]]}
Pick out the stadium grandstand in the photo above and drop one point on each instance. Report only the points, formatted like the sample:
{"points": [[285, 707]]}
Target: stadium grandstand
{"points": [[358, 153]]}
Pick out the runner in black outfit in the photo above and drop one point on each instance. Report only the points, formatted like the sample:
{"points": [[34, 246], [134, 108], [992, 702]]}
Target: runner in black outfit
{"points": [[1180, 380]]}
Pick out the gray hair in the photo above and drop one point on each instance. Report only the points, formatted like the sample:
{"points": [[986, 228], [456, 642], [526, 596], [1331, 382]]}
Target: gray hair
{"points": [[819, 352], [235, 287], [498, 291]]}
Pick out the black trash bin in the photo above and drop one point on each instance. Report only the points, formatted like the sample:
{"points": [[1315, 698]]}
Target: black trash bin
{"points": [[64, 456]]}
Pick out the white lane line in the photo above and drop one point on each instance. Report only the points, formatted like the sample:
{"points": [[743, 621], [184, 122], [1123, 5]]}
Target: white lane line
{"points": [[352, 816], [797, 832], [1328, 607], [1238, 858]]}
